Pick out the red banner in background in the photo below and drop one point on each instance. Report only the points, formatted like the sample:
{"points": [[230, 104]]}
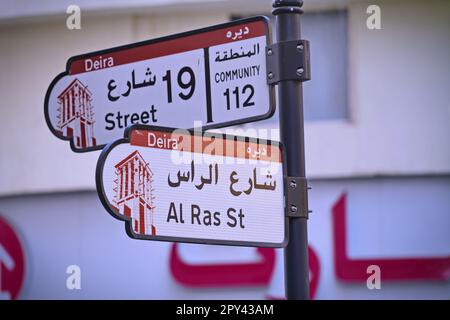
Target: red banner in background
{"points": [[12, 262]]}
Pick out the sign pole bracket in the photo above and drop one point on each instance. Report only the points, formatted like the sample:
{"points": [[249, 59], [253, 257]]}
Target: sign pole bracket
{"points": [[288, 60], [297, 197]]}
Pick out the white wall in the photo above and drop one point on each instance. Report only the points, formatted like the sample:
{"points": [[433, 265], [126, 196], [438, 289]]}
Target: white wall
{"points": [[399, 97], [23, 10]]}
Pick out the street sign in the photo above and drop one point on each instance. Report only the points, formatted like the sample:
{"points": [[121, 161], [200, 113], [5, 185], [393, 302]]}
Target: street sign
{"points": [[189, 186], [211, 77], [12, 262]]}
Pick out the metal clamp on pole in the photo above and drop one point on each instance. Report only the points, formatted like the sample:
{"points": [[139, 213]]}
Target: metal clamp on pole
{"points": [[297, 197], [288, 60]]}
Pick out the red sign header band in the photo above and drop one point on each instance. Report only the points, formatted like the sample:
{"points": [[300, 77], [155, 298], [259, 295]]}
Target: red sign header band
{"points": [[214, 144], [161, 48]]}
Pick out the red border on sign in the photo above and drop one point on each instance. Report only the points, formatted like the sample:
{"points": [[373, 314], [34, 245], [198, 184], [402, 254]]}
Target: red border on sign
{"points": [[391, 269], [158, 49]]}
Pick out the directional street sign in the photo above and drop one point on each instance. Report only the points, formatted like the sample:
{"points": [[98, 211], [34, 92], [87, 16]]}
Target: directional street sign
{"points": [[216, 76], [180, 185]]}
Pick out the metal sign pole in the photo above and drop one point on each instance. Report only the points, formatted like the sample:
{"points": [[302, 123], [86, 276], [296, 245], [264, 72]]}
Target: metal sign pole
{"points": [[293, 55]]}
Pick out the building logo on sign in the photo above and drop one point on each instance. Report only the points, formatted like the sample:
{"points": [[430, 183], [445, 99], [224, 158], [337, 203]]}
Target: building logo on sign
{"points": [[134, 193], [76, 115]]}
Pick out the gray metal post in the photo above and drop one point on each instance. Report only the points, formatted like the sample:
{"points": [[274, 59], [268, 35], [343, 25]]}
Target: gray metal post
{"points": [[290, 95]]}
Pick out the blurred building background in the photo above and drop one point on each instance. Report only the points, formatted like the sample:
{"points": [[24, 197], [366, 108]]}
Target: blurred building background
{"points": [[377, 147]]}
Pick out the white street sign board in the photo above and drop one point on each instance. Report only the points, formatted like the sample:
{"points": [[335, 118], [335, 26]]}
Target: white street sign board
{"points": [[216, 76], [177, 185]]}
